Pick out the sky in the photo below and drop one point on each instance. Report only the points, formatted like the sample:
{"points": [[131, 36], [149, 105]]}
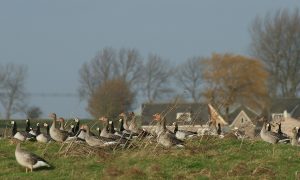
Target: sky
{"points": [[54, 38]]}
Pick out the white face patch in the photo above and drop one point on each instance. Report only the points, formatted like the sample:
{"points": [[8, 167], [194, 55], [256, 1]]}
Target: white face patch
{"points": [[76, 120], [110, 122], [12, 122]]}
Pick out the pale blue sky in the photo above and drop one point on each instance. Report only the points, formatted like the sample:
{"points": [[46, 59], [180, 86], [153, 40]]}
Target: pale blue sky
{"points": [[54, 38]]}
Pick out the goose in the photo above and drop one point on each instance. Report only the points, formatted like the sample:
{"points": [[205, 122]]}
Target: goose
{"points": [[133, 127], [29, 160], [41, 137], [183, 134], [283, 138], [165, 137], [32, 132], [106, 134], [294, 139], [268, 136], [61, 121], [57, 134], [27, 129], [98, 130], [125, 121], [94, 141], [280, 134], [124, 133], [77, 126], [22, 136]]}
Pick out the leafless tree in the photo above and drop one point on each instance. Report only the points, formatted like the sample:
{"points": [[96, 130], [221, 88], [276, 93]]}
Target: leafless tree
{"points": [[97, 71], [156, 76], [110, 64], [128, 66], [276, 41], [189, 77], [12, 88]]}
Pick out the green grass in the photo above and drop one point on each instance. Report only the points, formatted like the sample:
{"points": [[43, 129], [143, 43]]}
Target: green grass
{"points": [[207, 158]]}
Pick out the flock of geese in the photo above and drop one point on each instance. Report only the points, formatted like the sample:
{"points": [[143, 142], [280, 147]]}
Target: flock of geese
{"points": [[122, 136]]}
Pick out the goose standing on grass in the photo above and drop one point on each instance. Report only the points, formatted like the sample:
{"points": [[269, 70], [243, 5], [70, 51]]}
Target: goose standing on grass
{"points": [[182, 134], [41, 137], [22, 136], [57, 134], [165, 137], [29, 160]]}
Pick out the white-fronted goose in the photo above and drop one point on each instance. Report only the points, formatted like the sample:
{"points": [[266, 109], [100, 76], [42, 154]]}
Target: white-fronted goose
{"points": [[29, 160], [57, 134]]}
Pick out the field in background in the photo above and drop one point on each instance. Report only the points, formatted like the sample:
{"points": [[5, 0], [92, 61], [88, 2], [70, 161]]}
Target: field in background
{"points": [[202, 158]]}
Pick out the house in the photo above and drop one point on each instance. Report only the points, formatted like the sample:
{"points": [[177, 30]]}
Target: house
{"points": [[287, 112], [242, 113], [284, 107], [241, 120], [186, 113]]}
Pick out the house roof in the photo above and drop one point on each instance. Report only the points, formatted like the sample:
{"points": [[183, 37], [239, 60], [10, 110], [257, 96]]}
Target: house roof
{"points": [[292, 105], [198, 111], [241, 115], [249, 112]]}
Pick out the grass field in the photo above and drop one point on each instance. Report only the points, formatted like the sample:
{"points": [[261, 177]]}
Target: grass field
{"points": [[206, 158]]}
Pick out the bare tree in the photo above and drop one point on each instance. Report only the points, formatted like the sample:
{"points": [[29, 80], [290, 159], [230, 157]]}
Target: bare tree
{"points": [[157, 73], [128, 66], [276, 41], [110, 64], [97, 71], [12, 88], [189, 77]]}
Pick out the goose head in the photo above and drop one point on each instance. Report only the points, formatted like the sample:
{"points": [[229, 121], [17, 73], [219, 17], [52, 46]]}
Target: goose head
{"points": [[157, 117], [76, 120]]}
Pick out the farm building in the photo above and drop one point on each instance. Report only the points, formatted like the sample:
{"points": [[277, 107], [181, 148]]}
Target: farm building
{"points": [[187, 113]]}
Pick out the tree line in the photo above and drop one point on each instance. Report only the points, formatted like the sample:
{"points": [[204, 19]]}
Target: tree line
{"points": [[116, 78]]}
